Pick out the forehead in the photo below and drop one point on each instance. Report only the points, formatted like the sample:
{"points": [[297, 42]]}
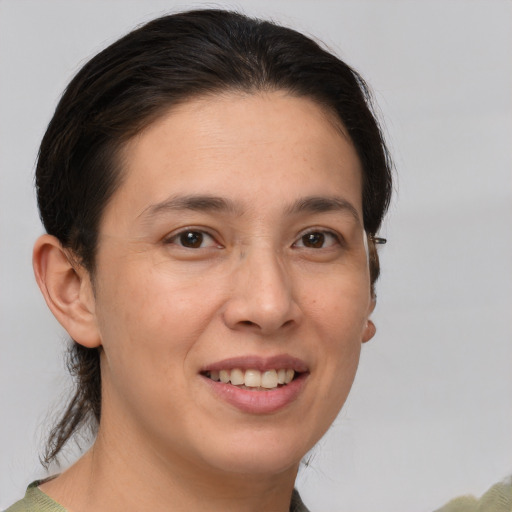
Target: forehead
{"points": [[265, 146]]}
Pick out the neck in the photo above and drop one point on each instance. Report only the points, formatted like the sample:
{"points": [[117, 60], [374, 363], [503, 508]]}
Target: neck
{"points": [[116, 475]]}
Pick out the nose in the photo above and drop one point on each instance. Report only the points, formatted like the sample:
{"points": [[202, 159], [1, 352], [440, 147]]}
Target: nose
{"points": [[262, 295]]}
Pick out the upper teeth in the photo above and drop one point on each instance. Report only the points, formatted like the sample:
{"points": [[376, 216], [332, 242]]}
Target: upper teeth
{"points": [[268, 379]]}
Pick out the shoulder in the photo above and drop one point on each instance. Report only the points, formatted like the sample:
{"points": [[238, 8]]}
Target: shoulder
{"points": [[36, 501], [497, 499]]}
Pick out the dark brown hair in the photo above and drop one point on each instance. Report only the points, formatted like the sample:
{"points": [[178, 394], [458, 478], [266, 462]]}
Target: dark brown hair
{"points": [[138, 78]]}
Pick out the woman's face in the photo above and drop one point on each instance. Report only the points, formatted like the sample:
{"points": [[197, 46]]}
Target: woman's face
{"points": [[233, 249]]}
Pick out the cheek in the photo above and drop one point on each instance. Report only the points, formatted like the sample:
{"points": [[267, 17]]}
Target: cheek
{"points": [[338, 315], [147, 335], [339, 305], [149, 318], [341, 330]]}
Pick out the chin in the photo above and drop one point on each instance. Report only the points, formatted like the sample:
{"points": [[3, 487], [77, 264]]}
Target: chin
{"points": [[265, 463], [260, 454]]}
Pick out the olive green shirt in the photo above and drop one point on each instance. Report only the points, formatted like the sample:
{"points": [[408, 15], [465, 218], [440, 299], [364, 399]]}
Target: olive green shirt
{"points": [[497, 499], [36, 500]]}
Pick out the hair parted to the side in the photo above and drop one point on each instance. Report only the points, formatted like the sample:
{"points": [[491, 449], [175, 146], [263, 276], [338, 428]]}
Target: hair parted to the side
{"points": [[130, 84]]}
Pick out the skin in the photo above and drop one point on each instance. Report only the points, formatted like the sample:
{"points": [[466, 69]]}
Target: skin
{"points": [[255, 286]]}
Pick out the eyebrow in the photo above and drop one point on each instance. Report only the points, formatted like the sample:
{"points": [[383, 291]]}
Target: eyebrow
{"points": [[321, 204], [207, 203], [200, 203]]}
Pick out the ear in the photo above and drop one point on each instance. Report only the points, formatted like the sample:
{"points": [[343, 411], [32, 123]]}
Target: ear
{"points": [[369, 329], [67, 289]]}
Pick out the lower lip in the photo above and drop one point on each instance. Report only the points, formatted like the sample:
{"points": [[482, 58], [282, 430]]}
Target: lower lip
{"points": [[258, 402]]}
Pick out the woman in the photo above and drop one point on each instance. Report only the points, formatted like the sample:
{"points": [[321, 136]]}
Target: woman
{"points": [[211, 187]]}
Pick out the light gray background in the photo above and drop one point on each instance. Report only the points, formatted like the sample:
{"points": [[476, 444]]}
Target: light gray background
{"points": [[430, 415]]}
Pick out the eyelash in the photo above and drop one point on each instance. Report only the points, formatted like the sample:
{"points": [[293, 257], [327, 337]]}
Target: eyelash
{"points": [[177, 238], [338, 240]]}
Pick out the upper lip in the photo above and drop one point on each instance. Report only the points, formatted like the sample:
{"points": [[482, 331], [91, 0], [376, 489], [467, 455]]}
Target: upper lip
{"points": [[254, 362]]}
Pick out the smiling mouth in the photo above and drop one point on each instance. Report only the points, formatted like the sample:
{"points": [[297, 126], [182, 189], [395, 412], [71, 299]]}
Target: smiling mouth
{"points": [[252, 379]]}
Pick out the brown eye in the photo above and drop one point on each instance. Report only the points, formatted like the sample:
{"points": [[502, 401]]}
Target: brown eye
{"points": [[317, 240], [191, 239], [314, 240]]}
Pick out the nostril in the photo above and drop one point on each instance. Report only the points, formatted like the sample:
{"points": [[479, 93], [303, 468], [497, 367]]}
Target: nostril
{"points": [[248, 323]]}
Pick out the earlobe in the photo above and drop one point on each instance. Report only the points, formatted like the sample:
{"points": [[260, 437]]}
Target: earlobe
{"points": [[67, 290], [369, 329]]}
